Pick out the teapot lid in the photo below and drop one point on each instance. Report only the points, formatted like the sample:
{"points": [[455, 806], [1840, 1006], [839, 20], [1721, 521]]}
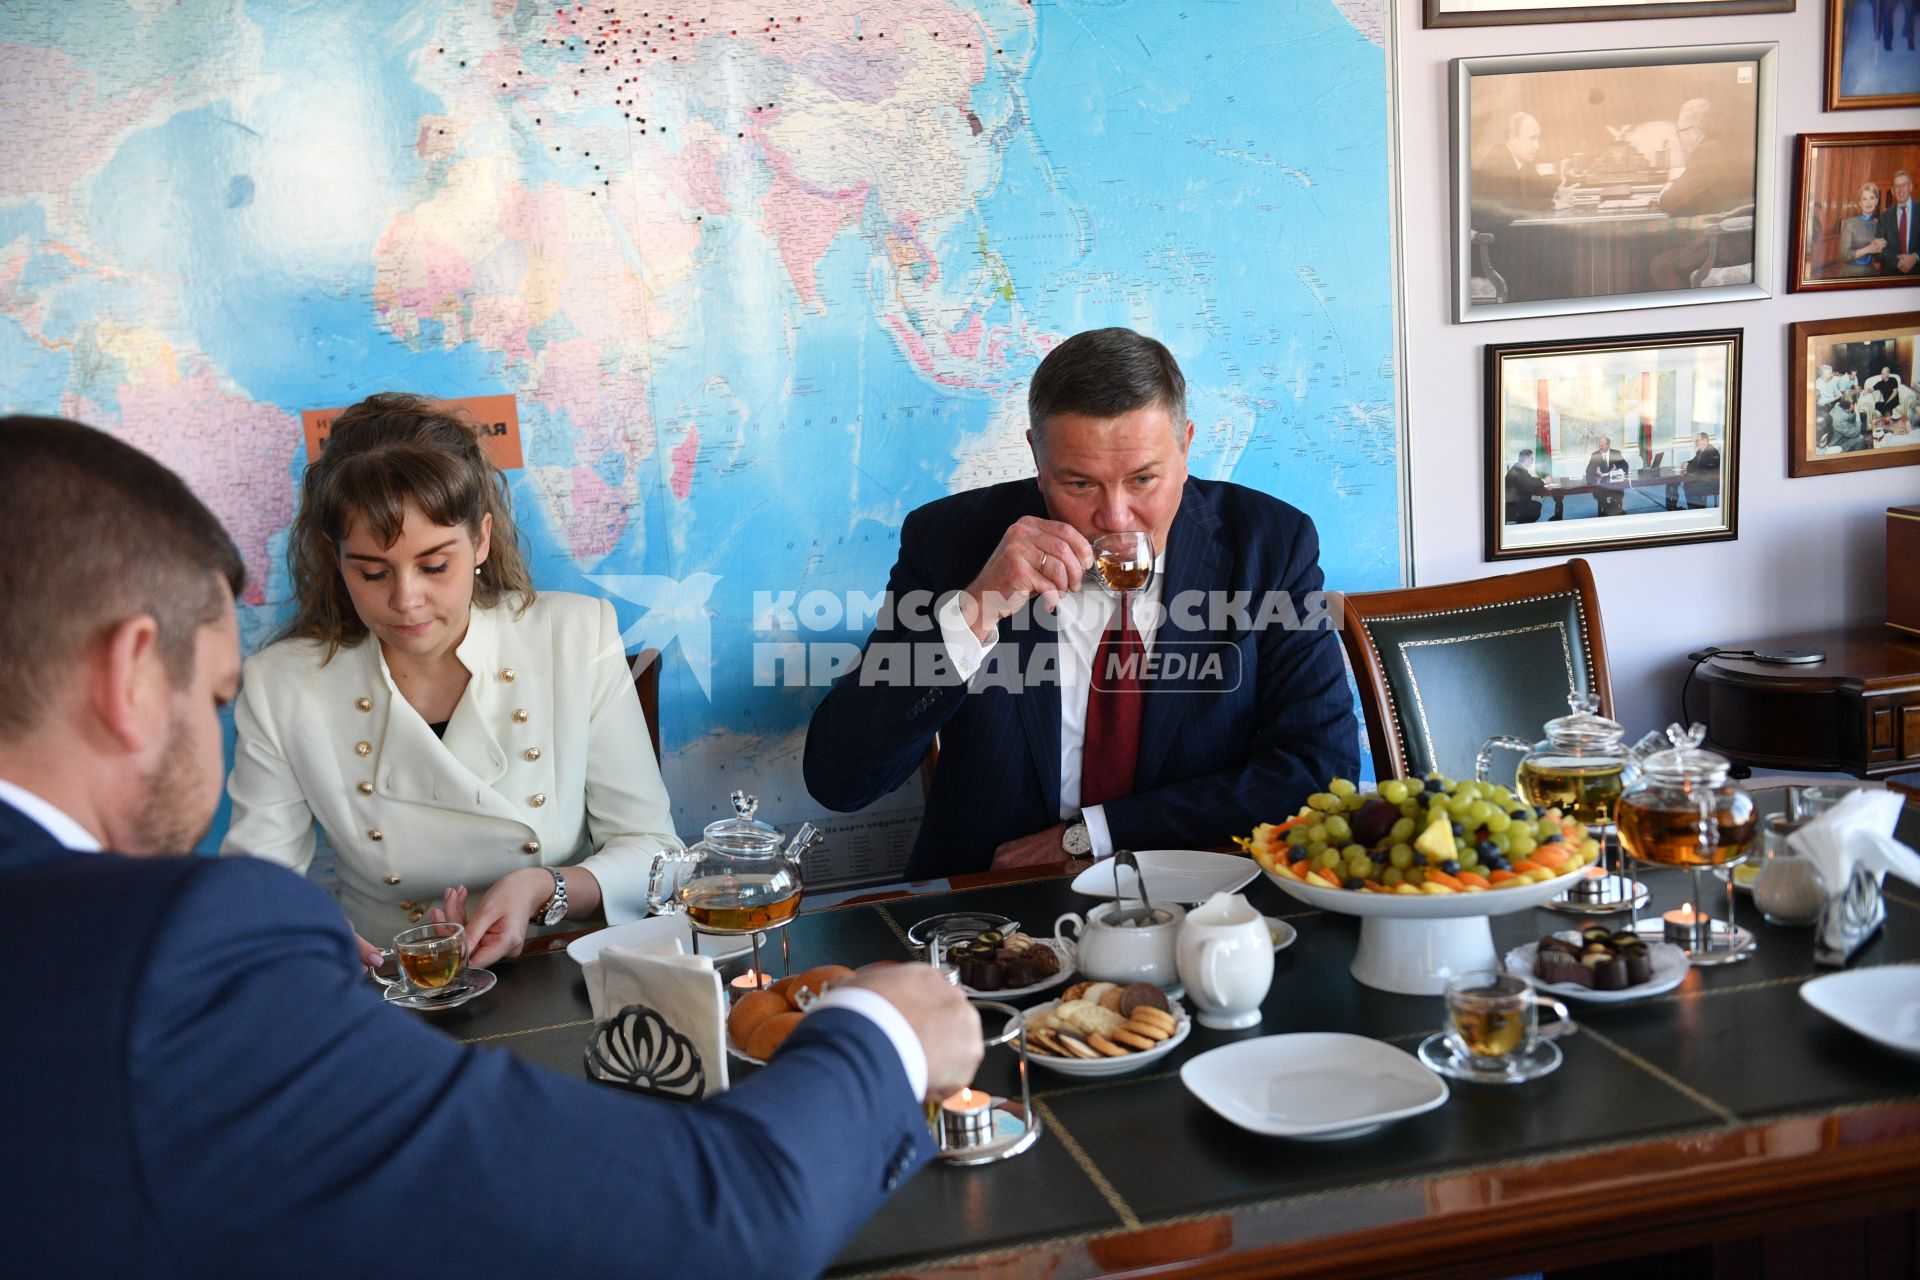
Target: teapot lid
{"points": [[1584, 727], [743, 833], [1686, 763]]}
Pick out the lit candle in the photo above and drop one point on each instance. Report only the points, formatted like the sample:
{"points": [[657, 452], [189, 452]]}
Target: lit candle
{"points": [[1684, 926], [966, 1119], [751, 980]]}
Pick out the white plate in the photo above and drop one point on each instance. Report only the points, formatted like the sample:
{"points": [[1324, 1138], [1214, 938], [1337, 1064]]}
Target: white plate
{"points": [[1423, 906], [1881, 1003], [1284, 934], [1185, 876], [656, 933], [1063, 950], [1095, 1068], [1312, 1084], [1670, 965]]}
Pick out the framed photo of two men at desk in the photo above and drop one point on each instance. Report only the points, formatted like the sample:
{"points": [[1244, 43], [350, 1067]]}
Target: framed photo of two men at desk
{"points": [[1613, 179], [1602, 444]]}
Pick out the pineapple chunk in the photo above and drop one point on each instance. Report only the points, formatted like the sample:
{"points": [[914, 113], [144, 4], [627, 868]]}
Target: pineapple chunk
{"points": [[1437, 840]]}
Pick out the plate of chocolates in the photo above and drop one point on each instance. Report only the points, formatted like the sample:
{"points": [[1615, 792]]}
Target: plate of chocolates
{"points": [[997, 966], [1600, 965]]}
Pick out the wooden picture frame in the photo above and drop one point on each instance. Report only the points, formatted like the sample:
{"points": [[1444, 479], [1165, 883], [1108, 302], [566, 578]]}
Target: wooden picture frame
{"points": [[1497, 13], [1852, 426], [1612, 180], [1831, 176], [1862, 78], [1620, 422]]}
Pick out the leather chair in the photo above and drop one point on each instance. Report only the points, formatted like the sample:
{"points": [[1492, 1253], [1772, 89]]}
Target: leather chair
{"points": [[645, 666], [1487, 285], [1729, 250], [1441, 669]]}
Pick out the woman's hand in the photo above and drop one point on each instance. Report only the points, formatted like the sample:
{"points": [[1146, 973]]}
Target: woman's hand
{"points": [[369, 954], [498, 926]]}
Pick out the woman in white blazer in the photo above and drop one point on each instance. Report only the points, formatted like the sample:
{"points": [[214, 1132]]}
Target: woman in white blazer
{"points": [[442, 724]]}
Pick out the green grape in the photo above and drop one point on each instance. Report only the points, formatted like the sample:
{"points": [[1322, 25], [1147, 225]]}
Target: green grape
{"points": [[1447, 784], [1469, 859], [1468, 790], [1502, 841], [1458, 807], [1297, 837], [1394, 792], [1326, 859], [1519, 843], [1415, 875], [1353, 802], [1318, 833], [1402, 830], [1498, 822], [1547, 826], [1324, 802], [1503, 797], [1478, 812], [1401, 856], [1392, 876], [1341, 787], [1337, 828], [1413, 809], [1360, 868]]}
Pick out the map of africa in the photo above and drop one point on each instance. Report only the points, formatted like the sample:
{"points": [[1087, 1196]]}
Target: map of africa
{"points": [[762, 280]]}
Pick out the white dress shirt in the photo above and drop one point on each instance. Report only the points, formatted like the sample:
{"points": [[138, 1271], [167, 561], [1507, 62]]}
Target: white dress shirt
{"points": [[1084, 616], [56, 821]]}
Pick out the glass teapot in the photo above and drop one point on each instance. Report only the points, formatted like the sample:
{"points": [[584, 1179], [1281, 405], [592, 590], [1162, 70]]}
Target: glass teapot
{"points": [[738, 878], [1683, 811], [1580, 768]]}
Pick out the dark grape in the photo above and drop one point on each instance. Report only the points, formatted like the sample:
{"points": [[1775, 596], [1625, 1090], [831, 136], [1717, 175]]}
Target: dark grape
{"points": [[1458, 829], [1354, 882], [1372, 820], [1381, 856], [1486, 848], [1419, 859], [1433, 783], [1451, 866]]}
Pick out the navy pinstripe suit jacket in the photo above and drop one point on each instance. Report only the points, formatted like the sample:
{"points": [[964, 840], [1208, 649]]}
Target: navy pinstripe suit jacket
{"points": [[1218, 754]]}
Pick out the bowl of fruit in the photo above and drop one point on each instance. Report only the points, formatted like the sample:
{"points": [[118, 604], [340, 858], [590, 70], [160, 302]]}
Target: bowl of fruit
{"points": [[1424, 863]]}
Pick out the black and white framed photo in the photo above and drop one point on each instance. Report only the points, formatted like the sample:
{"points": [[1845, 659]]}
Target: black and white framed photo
{"points": [[1603, 444], [1613, 179]]}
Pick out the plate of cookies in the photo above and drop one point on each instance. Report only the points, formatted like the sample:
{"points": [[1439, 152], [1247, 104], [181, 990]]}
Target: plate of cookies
{"points": [[1105, 1029]]}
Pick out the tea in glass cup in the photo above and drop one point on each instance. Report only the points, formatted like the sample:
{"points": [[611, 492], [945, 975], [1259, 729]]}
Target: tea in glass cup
{"points": [[1493, 1019], [430, 956], [1123, 561]]}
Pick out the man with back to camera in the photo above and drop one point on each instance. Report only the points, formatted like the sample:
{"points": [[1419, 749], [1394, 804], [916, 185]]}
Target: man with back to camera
{"points": [[1523, 490], [195, 1079], [1043, 754]]}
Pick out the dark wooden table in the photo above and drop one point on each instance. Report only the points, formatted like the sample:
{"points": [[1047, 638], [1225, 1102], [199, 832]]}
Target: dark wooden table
{"points": [[1857, 712], [1724, 1109]]}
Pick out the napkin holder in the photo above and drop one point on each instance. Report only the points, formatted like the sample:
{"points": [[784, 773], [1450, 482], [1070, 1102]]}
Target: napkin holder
{"points": [[1850, 918]]}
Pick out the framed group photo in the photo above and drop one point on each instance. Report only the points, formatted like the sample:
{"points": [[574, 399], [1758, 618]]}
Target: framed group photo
{"points": [[1856, 224], [1612, 180], [1851, 399], [1603, 444], [1871, 56], [1493, 13]]}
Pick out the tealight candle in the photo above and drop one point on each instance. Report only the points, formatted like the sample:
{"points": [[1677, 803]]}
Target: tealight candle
{"points": [[751, 980], [966, 1119], [1685, 926]]}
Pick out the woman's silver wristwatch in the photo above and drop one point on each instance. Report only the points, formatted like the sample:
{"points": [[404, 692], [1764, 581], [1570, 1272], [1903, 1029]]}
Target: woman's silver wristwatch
{"points": [[555, 909]]}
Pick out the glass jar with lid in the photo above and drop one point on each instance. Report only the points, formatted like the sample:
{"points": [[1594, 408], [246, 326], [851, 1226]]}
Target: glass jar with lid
{"points": [[1580, 767]]}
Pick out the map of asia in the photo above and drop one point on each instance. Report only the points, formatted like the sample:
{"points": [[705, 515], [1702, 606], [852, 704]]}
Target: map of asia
{"points": [[758, 280]]}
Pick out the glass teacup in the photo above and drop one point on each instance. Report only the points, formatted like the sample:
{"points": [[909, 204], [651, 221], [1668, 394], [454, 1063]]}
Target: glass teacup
{"points": [[1493, 1019], [430, 956]]}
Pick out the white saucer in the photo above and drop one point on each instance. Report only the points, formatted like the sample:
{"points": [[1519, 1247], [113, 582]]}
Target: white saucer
{"points": [[1317, 1085], [1881, 1003], [1531, 1065], [1284, 934], [1185, 876], [1670, 965], [468, 984]]}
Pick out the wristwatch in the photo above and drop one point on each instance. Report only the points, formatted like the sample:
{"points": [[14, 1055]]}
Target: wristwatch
{"points": [[1075, 841], [555, 908]]}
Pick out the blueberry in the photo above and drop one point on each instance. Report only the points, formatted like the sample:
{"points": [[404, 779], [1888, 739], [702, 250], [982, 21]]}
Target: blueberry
{"points": [[1419, 859], [1518, 815], [1486, 849], [1451, 866], [1381, 856], [1496, 863], [1555, 838], [1353, 882], [1433, 784], [1458, 829]]}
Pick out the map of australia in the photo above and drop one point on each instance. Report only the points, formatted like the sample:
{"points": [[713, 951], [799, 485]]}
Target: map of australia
{"points": [[760, 280]]}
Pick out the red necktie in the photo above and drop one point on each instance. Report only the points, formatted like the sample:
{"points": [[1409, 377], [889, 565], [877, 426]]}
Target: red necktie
{"points": [[1114, 699]]}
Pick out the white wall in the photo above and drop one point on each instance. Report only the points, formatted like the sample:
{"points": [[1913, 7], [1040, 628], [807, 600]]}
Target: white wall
{"points": [[1810, 551]]}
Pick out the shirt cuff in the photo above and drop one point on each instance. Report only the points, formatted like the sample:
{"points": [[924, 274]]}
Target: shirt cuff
{"points": [[963, 647], [878, 1010], [1096, 820]]}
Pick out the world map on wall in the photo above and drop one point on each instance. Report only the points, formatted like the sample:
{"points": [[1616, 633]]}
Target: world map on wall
{"points": [[761, 280]]}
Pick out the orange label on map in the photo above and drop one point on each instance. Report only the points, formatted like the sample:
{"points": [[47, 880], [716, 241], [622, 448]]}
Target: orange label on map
{"points": [[497, 416]]}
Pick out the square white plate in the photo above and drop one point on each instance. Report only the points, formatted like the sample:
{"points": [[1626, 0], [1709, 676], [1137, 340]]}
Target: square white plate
{"points": [[1186, 876], [1312, 1084], [1881, 1003], [669, 934]]}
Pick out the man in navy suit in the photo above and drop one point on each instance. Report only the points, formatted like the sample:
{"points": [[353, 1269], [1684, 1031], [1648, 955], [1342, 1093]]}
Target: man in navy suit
{"points": [[1900, 227], [989, 639], [195, 1079]]}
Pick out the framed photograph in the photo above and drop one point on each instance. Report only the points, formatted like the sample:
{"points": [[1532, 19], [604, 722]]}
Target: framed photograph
{"points": [[1870, 61], [1494, 13], [1603, 444], [1850, 394], [1854, 215], [1612, 180]]}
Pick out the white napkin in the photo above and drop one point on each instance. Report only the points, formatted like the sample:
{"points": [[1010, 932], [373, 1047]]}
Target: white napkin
{"points": [[683, 989], [1857, 832]]}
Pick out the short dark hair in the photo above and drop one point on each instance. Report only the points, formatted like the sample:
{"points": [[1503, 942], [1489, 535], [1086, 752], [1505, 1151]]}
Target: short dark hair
{"points": [[1524, 453], [1104, 373], [383, 455], [97, 532]]}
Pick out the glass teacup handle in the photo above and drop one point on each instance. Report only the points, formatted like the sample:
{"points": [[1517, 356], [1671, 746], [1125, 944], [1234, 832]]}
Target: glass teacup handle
{"points": [[1483, 762], [387, 972], [661, 897], [1562, 1024]]}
